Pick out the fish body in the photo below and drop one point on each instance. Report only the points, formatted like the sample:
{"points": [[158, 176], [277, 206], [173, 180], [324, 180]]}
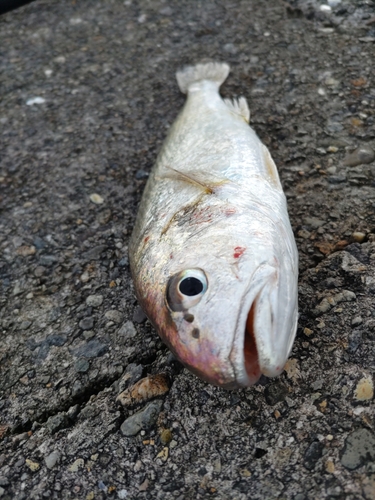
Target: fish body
{"points": [[212, 254]]}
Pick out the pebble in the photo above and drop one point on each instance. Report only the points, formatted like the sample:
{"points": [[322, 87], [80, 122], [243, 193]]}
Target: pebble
{"points": [[132, 374], [312, 455], [358, 236], [25, 325], [25, 250], [357, 321], [2, 491], [359, 449], [368, 486], [122, 494], [94, 300], [275, 393], [360, 156], [81, 365], [143, 419], [78, 464], [354, 341], [139, 316], [92, 349], [328, 302], [163, 454], [314, 222], [95, 252], [35, 100], [33, 466], [86, 323], [52, 459], [113, 315], [145, 389], [166, 436], [96, 198], [128, 330], [57, 422], [364, 390], [141, 174], [4, 481]]}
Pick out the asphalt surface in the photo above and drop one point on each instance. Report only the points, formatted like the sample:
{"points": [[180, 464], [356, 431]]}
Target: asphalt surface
{"points": [[87, 95]]}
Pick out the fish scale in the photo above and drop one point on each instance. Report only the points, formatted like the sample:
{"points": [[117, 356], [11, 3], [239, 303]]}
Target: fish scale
{"points": [[212, 254]]}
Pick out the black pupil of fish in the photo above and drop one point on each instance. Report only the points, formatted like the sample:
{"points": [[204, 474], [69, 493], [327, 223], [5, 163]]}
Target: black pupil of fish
{"points": [[191, 286]]}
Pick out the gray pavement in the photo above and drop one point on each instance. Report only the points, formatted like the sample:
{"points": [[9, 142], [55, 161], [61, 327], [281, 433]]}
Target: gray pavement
{"points": [[87, 95]]}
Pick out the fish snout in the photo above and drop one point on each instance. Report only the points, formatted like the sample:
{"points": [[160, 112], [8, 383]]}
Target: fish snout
{"points": [[273, 322]]}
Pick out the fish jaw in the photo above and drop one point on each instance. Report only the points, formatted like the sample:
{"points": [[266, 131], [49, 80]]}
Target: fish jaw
{"points": [[266, 326]]}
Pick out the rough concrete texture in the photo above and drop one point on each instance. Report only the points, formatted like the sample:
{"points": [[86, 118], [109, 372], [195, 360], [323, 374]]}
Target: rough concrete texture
{"points": [[88, 93]]}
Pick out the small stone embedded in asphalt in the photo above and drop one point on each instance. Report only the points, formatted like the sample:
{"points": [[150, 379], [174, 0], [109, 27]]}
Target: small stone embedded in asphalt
{"points": [[123, 262], [96, 198], [360, 156], [133, 373], [357, 321], [364, 390], [113, 315], [92, 349], [358, 236], [25, 325], [141, 174], [76, 465], [86, 323], [143, 419], [128, 330], [4, 481], [47, 260], [33, 466], [94, 300], [139, 316], [81, 365], [166, 436], [354, 341], [95, 253], [57, 422], [77, 389], [359, 449], [52, 459], [312, 454], [274, 393]]}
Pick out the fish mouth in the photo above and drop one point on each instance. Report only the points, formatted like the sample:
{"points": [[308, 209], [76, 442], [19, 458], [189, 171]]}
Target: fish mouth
{"points": [[251, 359], [254, 351]]}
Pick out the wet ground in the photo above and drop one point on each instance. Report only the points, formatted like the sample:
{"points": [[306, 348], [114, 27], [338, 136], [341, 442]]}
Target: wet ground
{"points": [[87, 95]]}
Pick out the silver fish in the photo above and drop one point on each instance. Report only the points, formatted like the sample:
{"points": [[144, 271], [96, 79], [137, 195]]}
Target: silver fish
{"points": [[212, 254]]}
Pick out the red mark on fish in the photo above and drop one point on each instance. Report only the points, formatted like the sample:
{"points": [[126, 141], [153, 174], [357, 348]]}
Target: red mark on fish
{"points": [[238, 252]]}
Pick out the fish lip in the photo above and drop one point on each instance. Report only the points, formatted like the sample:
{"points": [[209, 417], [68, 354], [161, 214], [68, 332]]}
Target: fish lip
{"points": [[258, 281], [273, 331]]}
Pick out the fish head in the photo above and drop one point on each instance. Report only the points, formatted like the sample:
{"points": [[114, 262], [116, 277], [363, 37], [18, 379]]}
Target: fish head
{"points": [[225, 303]]}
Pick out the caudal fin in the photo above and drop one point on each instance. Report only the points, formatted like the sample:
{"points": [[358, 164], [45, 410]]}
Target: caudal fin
{"points": [[214, 72]]}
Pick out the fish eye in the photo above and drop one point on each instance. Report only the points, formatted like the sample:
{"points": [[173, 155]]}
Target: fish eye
{"points": [[186, 288]]}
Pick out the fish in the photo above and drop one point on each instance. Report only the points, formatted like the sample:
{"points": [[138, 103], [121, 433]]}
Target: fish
{"points": [[212, 253]]}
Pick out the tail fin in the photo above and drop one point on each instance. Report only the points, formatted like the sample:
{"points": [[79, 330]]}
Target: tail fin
{"points": [[215, 72]]}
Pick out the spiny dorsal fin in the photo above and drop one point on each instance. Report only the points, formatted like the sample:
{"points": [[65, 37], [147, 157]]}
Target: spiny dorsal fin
{"points": [[271, 167], [213, 71], [239, 106]]}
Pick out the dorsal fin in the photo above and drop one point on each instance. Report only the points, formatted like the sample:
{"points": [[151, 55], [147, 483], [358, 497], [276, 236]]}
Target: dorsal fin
{"points": [[271, 168], [240, 107]]}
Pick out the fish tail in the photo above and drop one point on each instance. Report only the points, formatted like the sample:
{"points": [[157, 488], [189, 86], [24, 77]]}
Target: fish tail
{"points": [[213, 71]]}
